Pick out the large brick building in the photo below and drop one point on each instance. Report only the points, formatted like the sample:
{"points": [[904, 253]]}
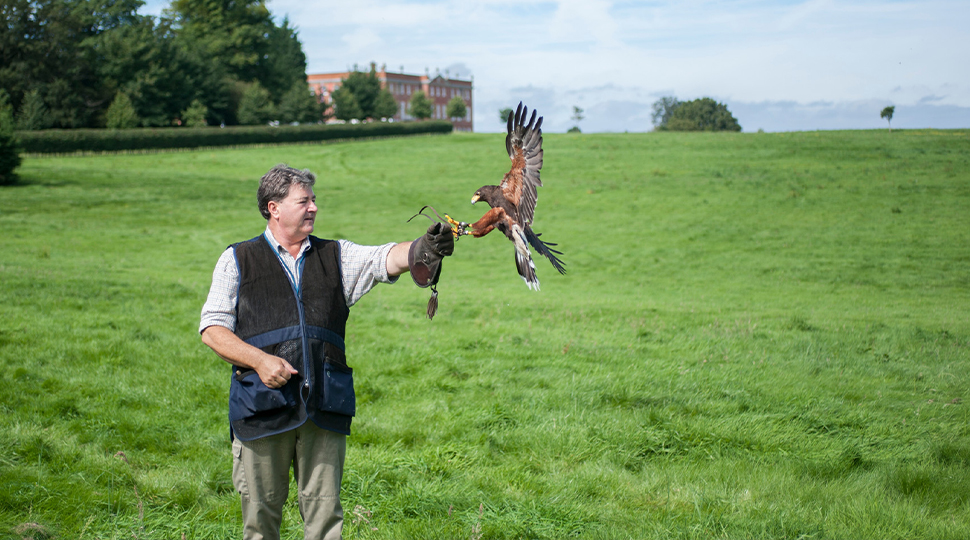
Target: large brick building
{"points": [[439, 89]]}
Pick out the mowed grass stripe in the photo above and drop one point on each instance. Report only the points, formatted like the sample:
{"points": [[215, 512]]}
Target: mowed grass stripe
{"points": [[759, 336]]}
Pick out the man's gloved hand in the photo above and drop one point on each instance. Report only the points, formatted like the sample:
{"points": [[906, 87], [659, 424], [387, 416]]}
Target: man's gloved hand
{"points": [[424, 257]]}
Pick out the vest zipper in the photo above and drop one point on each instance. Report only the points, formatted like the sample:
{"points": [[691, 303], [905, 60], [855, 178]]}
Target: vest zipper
{"points": [[303, 333], [304, 342]]}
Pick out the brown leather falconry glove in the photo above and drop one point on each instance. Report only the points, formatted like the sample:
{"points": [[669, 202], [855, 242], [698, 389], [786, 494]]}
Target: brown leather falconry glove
{"points": [[424, 259]]}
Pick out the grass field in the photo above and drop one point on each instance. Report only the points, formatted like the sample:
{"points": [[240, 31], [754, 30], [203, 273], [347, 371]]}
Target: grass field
{"points": [[760, 336]]}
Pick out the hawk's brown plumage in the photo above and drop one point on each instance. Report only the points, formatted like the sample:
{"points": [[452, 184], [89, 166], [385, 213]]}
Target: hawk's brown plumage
{"points": [[513, 202]]}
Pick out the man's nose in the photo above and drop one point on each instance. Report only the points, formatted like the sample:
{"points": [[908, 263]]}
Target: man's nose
{"points": [[313, 206]]}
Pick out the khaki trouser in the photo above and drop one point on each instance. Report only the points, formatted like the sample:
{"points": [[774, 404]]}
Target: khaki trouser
{"points": [[261, 475]]}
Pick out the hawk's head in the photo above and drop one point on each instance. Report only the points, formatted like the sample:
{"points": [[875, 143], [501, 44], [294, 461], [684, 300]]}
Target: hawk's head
{"points": [[487, 194]]}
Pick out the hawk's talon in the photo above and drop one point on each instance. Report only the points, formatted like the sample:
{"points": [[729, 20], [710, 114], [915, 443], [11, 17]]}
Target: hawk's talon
{"points": [[458, 228]]}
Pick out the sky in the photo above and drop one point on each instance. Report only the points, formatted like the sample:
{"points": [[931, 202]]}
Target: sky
{"points": [[780, 65]]}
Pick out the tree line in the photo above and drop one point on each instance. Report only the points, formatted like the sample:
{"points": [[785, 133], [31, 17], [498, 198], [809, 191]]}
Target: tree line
{"points": [[98, 63]]}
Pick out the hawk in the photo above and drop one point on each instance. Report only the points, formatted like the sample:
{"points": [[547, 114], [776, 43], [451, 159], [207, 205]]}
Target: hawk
{"points": [[513, 202]]}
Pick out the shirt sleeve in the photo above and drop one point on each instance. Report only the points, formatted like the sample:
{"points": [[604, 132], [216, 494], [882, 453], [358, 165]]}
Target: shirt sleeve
{"points": [[362, 267], [220, 306]]}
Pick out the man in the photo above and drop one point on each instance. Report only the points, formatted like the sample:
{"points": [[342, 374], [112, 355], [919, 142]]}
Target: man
{"points": [[276, 311]]}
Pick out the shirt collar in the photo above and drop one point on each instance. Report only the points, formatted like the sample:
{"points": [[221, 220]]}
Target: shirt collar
{"points": [[279, 247]]}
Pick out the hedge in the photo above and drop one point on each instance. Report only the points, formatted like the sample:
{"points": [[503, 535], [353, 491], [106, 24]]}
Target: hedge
{"points": [[65, 141]]}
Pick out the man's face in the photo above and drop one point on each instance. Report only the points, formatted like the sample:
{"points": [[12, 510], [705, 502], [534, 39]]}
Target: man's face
{"points": [[297, 212]]}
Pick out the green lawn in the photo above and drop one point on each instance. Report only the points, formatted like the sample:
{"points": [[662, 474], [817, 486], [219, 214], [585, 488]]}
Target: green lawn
{"points": [[760, 336]]}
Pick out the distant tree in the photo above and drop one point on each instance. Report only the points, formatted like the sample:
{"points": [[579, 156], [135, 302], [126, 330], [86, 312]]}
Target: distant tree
{"points": [[663, 108], [456, 108], [366, 87], [577, 114], [576, 117], [237, 43], [9, 145], [887, 113], [385, 106], [421, 107], [255, 106], [121, 114], [503, 115], [703, 114], [285, 65], [299, 104], [346, 105], [147, 62], [241, 39], [195, 115], [33, 112]]}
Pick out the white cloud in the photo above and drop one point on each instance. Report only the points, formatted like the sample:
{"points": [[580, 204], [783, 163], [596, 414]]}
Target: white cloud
{"points": [[583, 21], [361, 39]]}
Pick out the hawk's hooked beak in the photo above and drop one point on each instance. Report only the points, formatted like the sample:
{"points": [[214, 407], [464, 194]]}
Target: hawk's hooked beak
{"points": [[475, 198]]}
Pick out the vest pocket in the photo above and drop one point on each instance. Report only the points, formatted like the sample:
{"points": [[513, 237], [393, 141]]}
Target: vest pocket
{"points": [[249, 396], [338, 390]]}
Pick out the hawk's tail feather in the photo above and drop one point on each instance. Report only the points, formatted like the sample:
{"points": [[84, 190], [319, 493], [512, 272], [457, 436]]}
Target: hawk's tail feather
{"points": [[544, 248], [527, 269], [523, 259]]}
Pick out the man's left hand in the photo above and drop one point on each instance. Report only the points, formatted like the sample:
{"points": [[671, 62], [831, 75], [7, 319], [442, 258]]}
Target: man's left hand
{"points": [[424, 257]]}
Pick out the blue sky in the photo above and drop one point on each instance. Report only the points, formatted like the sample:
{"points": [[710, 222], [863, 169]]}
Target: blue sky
{"points": [[778, 65]]}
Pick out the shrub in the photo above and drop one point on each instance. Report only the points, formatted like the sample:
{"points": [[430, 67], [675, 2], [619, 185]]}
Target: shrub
{"points": [[456, 108], [299, 104], [385, 106], [33, 112], [345, 104], [421, 106], [255, 106], [9, 148], [195, 115], [121, 113]]}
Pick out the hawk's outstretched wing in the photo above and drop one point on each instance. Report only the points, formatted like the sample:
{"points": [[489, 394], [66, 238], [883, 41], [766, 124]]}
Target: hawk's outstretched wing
{"points": [[524, 145]]}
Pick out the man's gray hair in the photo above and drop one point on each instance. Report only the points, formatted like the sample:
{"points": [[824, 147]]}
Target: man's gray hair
{"points": [[275, 185]]}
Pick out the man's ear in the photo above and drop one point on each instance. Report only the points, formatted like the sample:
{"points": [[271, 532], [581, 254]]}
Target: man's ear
{"points": [[272, 207]]}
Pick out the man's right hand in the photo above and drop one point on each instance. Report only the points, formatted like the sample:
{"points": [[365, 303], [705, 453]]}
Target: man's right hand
{"points": [[274, 371]]}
